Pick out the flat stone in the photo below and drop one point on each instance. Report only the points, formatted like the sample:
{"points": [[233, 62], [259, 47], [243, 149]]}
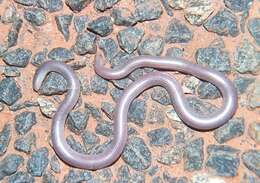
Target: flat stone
{"points": [[174, 52], [76, 176], [90, 140], [19, 177], [136, 154], [177, 32], [205, 178], [157, 180], [190, 84], [232, 129], [19, 57], [159, 94], [242, 83], [25, 143], [61, 54], [85, 43], [48, 177], [50, 5], [47, 107], [137, 112], [123, 16], [26, 2], [39, 58], [156, 115], [75, 145], [13, 33], [138, 177], [24, 122], [171, 156], [253, 27], [104, 128], [55, 164], [254, 131], [251, 159], [247, 58], [160, 137], [103, 5], [35, 16], [93, 110], [152, 45], [77, 5], [116, 94], [153, 170], [108, 109], [254, 96], [123, 174], [80, 23], [5, 137], [9, 15], [102, 26], [3, 49], [77, 121], [224, 23], [105, 174], [109, 48], [129, 38], [10, 71], [22, 105], [238, 6], [99, 85], [63, 23], [207, 90], [9, 91]]}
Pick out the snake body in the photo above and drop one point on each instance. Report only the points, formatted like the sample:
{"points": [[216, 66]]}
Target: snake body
{"points": [[185, 112]]}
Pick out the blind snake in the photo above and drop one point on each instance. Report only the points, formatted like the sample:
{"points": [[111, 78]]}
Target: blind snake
{"points": [[185, 112]]}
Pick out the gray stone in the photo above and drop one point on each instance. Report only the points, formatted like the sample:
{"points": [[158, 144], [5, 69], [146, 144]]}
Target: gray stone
{"points": [[254, 95], [129, 38], [35, 16], [39, 58], [90, 140], [63, 23], [9, 91], [10, 71], [177, 32], [10, 164], [13, 33], [102, 26], [152, 45], [123, 16], [116, 94], [26, 104], [224, 23], [251, 159], [138, 177], [109, 47], [77, 5], [168, 178], [190, 84], [137, 154], [120, 59], [167, 8], [253, 27], [171, 156], [19, 57], [254, 131], [108, 109], [153, 170], [123, 174], [53, 84], [5, 137], [174, 52], [200, 106], [242, 83], [156, 115], [102, 5], [93, 110], [104, 128], [25, 143], [26, 2], [77, 121], [194, 155], [3, 49], [238, 5], [234, 128], [9, 15], [85, 43], [47, 107], [21, 177], [159, 94], [99, 85], [50, 5], [100, 148], [75, 177], [247, 58], [208, 91], [48, 177], [105, 174], [222, 160], [24, 122], [160, 137], [80, 23], [122, 83], [55, 164], [157, 180], [76, 146], [137, 112], [60, 54]]}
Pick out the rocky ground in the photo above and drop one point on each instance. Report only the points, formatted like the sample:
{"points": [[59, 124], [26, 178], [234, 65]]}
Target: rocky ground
{"points": [[224, 35]]}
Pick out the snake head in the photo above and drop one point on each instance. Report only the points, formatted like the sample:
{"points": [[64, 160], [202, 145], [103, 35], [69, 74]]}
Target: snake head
{"points": [[40, 75]]}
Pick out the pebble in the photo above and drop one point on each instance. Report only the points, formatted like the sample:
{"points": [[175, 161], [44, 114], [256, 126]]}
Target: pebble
{"points": [[190, 84], [137, 112], [39, 58], [90, 140], [63, 23], [123, 16], [10, 164], [103, 5], [109, 48], [247, 58], [102, 26], [61, 54], [25, 143], [232, 129], [160, 95], [251, 160], [224, 23], [24, 122], [77, 121], [116, 94], [74, 177], [5, 137], [26, 2], [136, 154], [174, 52], [157, 180], [156, 115], [99, 85], [207, 90], [19, 57], [13, 33], [3, 49], [177, 32], [108, 109], [242, 83], [75, 145], [47, 107], [55, 164], [93, 110], [50, 5], [9, 14], [80, 23], [77, 5], [138, 177], [160, 137], [48, 177], [123, 174], [104, 128], [152, 45], [35, 16], [105, 175], [85, 43], [238, 6], [171, 156], [19, 177], [254, 96], [26, 104], [153, 170], [253, 27], [222, 160], [10, 92], [10, 71], [205, 178], [129, 38], [254, 131]]}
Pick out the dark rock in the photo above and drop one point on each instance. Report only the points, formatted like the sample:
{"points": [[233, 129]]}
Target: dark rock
{"points": [[99, 85], [200, 106], [14, 33], [35, 16], [76, 146], [116, 94], [55, 164], [48, 177], [24, 122], [123, 174], [251, 159], [254, 95], [208, 91], [102, 26], [223, 160], [63, 23], [171, 156], [138, 177], [102, 5], [50, 5], [77, 5], [167, 7], [153, 170], [234, 128], [253, 27], [120, 59], [137, 112], [77, 121], [177, 32], [93, 110], [9, 91], [19, 57], [109, 47], [129, 38], [90, 140], [122, 83], [39, 58], [224, 23], [254, 131], [75, 177], [80, 23], [136, 154], [104, 128], [123, 17], [100, 148], [108, 109], [242, 83], [61, 55], [156, 115], [26, 2], [25, 143], [152, 45], [20, 177], [85, 43], [53, 84], [5, 137], [238, 6], [3, 49], [193, 155], [160, 137], [105, 174], [10, 164], [157, 180], [10, 71], [161, 95], [174, 52]]}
